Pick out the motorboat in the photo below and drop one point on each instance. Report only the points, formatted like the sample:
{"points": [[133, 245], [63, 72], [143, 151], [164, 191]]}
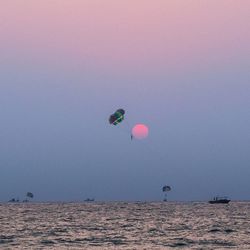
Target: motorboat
{"points": [[219, 200]]}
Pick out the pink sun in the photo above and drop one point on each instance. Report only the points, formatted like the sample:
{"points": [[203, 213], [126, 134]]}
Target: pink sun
{"points": [[140, 131]]}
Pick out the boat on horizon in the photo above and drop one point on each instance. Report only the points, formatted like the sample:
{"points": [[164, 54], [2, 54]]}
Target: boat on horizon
{"points": [[13, 200], [219, 200], [89, 200]]}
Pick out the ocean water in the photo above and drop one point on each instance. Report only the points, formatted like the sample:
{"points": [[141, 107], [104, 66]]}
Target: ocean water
{"points": [[120, 225]]}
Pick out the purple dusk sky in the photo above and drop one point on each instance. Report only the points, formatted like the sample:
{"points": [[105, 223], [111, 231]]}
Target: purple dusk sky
{"points": [[180, 67]]}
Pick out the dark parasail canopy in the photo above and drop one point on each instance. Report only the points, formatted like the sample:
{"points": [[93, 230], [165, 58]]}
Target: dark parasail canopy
{"points": [[117, 117], [166, 188], [29, 194]]}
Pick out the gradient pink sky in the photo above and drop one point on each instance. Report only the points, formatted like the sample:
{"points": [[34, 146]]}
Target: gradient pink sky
{"points": [[181, 67], [127, 35]]}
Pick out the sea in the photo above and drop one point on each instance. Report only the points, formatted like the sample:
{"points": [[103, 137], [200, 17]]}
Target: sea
{"points": [[125, 225]]}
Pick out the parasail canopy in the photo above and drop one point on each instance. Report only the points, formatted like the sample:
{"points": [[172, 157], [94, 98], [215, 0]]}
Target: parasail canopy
{"points": [[166, 188], [117, 117], [29, 194]]}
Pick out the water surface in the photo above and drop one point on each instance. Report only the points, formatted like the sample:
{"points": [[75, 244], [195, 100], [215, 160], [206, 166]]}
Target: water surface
{"points": [[120, 225]]}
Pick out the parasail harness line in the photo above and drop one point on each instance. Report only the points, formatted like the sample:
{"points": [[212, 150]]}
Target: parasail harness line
{"points": [[119, 117]]}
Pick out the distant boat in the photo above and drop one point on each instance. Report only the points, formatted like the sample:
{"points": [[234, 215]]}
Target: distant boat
{"points": [[13, 200], [89, 200], [219, 200]]}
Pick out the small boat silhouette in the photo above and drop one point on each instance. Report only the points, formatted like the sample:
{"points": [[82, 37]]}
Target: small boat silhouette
{"points": [[13, 200], [89, 200], [219, 200]]}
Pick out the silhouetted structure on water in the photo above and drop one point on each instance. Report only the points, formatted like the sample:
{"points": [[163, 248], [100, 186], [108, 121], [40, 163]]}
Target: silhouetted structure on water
{"points": [[219, 200]]}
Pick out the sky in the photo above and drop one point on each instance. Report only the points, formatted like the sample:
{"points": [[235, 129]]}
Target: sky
{"points": [[180, 67]]}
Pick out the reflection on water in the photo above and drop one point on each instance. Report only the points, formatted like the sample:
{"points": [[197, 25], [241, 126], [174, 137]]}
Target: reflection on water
{"points": [[122, 225]]}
